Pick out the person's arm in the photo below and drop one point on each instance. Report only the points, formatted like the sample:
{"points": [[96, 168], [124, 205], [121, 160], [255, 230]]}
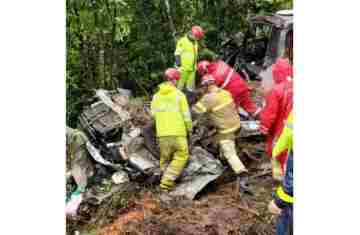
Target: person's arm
{"points": [[269, 113], [184, 108], [152, 106], [200, 107]]}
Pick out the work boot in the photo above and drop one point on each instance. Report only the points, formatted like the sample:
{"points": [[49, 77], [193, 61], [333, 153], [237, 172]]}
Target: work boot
{"points": [[242, 185]]}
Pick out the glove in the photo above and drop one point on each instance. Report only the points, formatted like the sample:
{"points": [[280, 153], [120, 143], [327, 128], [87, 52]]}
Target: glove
{"points": [[273, 208]]}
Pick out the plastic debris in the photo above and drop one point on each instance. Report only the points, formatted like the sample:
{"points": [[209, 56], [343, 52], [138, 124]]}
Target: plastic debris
{"points": [[73, 204]]}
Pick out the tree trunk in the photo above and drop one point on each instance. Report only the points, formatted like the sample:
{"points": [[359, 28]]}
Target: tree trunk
{"points": [[168, 10]]}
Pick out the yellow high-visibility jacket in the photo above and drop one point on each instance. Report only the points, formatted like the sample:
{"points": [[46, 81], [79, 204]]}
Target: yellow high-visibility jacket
{"points": [[222, 110], [188, 51], [285, 140], [171, 111]]}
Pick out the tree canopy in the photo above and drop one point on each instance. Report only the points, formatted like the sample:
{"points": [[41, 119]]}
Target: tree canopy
{"points": [[129, 43]]}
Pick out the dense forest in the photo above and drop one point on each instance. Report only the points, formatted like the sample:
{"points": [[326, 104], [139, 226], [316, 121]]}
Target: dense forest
{"points": [[128, 43]]}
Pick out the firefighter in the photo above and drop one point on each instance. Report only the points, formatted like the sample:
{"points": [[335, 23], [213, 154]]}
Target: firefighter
{"points": [[80, 164], [228, 79], [186, 55], [223, 114], [170, 109], [278, 104], [283, 197]]}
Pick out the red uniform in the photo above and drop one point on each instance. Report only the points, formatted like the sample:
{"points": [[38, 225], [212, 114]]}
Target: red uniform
{"points": [[230, 80], [279, 103]]}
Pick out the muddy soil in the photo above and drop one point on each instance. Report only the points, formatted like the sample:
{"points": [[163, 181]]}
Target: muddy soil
{"points": [[216, 210], [219, 212]]}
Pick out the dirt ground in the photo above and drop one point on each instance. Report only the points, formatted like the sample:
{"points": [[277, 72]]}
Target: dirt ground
{"points": [[216, 210], [218, 213]]}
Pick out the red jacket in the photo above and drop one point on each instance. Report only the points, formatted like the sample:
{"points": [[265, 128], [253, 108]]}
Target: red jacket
{"points": [[230, 80], [279, 103]]}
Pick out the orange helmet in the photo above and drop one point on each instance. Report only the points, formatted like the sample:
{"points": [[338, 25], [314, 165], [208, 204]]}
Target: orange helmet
{"points": [[197, 32], [202, 67], [172, 74], [207, 79]]}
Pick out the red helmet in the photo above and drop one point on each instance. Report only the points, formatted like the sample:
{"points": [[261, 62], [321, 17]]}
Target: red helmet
{"points": [[172, 74], [207, 79], [197, 32], [281, 70], [202, 67]]}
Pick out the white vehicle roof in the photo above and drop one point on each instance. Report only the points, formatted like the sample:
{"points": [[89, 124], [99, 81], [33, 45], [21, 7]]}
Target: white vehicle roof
{"points": [[288, 12]]}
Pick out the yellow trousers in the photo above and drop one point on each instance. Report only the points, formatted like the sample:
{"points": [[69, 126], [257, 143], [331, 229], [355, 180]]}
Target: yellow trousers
{"points": [[228, 151], [187, 80], [174, 155]]}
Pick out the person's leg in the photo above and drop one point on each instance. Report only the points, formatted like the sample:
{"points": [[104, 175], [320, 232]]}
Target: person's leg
{"points": [[165, 144], [190, 82], [228, 150], [177, 164], [284, 222], [291, 221], [183, 79]]}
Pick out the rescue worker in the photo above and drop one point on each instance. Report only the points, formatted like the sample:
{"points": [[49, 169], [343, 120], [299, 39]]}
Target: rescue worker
{"points": [[79, 161], [227, 78], [170, 109], [222, 111], [278, 104], [186, 55], [283, 198]]}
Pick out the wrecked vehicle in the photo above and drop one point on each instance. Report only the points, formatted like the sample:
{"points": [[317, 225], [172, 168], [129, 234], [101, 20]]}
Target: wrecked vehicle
{"points": [[116, 145], [117, 130], [268, 38]]}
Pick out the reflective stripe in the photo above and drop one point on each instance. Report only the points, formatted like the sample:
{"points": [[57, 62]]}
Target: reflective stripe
{"points": [[290, 126], [229, 130], [165, 109], [171, 174], [227, 79], [178, 97], [200, 108], [187, 116], [221, 106], [284, 196], [225, 141]]}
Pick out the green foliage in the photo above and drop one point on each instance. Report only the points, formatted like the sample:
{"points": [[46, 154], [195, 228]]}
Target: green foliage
{"points": [[129, 43]]}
